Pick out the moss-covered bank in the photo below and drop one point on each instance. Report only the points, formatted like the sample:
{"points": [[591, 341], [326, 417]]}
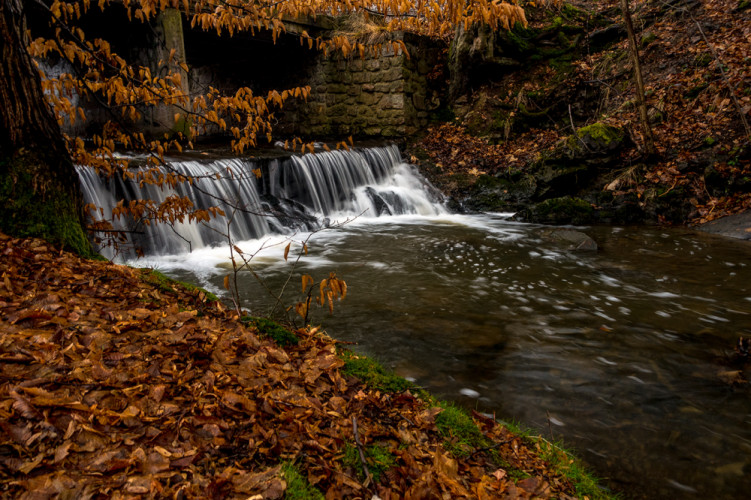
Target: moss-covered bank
{"points": [[36, 206]]}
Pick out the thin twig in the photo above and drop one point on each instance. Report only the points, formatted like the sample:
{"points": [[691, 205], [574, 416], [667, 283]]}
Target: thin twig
{"points": [[365, 469], [576, 133]]}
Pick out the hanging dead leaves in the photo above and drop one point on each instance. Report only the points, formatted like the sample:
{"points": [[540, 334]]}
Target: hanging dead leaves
{"points": [[111, 386]]}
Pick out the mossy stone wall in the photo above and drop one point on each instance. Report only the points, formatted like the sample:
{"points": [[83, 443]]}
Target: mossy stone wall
{"points": [[385, 95]]}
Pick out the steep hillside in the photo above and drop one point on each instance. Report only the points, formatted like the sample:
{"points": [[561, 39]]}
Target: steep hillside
{"points": [[518, 97]]}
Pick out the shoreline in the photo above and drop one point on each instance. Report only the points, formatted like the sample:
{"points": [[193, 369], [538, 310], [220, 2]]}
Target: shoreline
{"points": [[146, 387]]}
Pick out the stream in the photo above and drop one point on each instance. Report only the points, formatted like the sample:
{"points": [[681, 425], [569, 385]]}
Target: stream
{"points": [[617, 353], [625, 354]]}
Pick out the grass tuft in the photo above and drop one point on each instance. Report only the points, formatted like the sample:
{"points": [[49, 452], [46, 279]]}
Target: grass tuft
{"points": [[166, 284], [373, 374], [563, 461], [461, 434], [298, 487], [378, 458], [267, 328]]}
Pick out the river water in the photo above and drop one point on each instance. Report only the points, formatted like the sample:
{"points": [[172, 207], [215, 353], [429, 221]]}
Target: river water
{"points": [[624, 353], [617, 353]]}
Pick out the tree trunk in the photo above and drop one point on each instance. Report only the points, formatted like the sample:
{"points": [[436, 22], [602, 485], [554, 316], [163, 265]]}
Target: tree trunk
{"points": [[40, 194], [641, 101]]}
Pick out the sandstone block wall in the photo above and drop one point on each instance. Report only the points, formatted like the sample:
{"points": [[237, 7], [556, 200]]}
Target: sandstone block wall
{"points": [[378, 96]]}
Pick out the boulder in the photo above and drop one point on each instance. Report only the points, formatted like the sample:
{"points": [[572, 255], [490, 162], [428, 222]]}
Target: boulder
{"points": [[569, 239], [557, 211], [732, 226], [577, 160], [596, 144]]}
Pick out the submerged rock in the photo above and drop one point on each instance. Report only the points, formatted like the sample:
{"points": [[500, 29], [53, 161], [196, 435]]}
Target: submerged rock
{"points": [[570, 239]]}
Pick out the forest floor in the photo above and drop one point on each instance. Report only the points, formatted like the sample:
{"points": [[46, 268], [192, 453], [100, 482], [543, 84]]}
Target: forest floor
{"points": [[117, 382], [696, 60]]}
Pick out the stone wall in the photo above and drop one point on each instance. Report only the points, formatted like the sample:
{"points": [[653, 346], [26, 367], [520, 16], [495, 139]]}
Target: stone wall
{"points": [[376, 96], [383, 96]]}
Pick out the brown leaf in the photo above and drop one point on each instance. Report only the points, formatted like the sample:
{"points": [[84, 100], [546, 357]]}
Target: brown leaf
{"points": [[268, 484], [23, 406], [31, 464], [62, 451], [445, 464]]}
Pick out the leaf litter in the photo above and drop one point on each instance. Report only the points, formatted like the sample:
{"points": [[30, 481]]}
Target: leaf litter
{"points": [[113, 387]]}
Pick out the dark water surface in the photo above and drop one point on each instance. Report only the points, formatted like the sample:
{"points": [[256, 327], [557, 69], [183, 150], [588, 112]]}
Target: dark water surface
{"points": [[615, 352]]}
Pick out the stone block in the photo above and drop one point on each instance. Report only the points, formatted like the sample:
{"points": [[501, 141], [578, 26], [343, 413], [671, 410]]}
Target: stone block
{"points": [[338, 110], [384, 87], [392, 74], [373, 65], [361, 121], [369, 99], [418, 101], [392, 101], [368, 87]]}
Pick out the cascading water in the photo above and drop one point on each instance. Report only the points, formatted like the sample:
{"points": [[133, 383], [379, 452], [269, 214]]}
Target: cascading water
{"points": [[291, 194], [624, 353]]}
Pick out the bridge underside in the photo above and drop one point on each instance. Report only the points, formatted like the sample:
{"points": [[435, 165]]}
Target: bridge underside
{"points": [[384, 96]]}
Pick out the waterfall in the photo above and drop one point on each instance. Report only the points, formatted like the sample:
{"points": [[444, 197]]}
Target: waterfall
{"points": [[297, 193]]}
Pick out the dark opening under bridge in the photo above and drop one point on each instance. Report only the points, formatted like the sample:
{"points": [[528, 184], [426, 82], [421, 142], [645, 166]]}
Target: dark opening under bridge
{"points": [[385, 96]]}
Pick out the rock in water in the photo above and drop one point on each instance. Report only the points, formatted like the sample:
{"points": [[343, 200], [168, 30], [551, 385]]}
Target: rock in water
{"points": [[570, 239]]}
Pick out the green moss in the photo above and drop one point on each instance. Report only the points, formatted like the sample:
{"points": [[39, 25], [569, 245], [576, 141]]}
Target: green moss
{"points": [[463, 437], [563, 462], [647, 39], [377, 458], [461, 434], [182, 127], [267, 328], [709, 141], [519, 38], [603, 134], [574, 13], [373, 374], [694, 92], [167, 284], [743, 4], [298, 487], [27, 210], [702, 60], [561, 61]]}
